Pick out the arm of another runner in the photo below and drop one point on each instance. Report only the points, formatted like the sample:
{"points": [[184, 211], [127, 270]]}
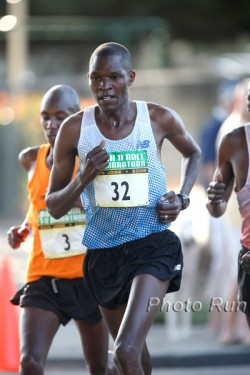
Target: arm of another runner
{"points": [[220, 190], [63, 190], [17, 234]]}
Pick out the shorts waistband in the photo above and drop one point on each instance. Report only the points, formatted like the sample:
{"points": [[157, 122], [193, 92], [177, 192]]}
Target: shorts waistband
{"points": [[133, 245], [56, 281]]}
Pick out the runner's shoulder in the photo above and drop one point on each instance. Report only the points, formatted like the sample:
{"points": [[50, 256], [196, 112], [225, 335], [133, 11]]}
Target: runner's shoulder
{"points": [[28, 156]]}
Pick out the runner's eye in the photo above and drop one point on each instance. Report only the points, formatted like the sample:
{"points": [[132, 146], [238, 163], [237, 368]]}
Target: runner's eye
{"points": [[94, 79]]}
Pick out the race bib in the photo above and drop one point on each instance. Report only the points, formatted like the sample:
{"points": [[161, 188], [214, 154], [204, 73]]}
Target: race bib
{"points": [[63, 237], [124, 183]]}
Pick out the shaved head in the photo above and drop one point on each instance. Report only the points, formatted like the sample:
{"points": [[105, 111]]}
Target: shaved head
{"points": [[69, 95], [113, 49]]}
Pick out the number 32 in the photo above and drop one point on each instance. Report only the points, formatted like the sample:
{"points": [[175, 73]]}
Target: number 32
{"points": [[125, 187]]}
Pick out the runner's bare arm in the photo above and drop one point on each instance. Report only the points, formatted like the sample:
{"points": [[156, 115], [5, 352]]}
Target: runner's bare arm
{"points": [[64, 191], [220, 189], [167, 124]]}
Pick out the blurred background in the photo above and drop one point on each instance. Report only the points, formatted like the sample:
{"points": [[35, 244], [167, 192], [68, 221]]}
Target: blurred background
{"points": [[183, 51]]}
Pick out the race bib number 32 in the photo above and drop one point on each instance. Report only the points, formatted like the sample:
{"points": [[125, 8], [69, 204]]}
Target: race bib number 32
{"points": [[124, 183]]}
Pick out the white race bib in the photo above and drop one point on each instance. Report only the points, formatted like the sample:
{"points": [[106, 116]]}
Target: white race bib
{"points": [[124, 183], [63, 237]]}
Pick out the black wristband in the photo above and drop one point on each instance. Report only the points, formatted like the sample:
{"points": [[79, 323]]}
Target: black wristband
{"points": [[185, 200]]}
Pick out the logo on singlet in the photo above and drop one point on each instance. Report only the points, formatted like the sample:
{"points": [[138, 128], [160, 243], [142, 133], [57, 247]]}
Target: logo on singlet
{"points": [[143, 144]]}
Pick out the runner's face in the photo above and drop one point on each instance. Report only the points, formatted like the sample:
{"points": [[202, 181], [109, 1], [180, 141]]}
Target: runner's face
{"points": [[109, 82], [53, 112]]}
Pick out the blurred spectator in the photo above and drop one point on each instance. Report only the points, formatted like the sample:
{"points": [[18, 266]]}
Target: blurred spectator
{"points": [[192, 230], [239, 114]]}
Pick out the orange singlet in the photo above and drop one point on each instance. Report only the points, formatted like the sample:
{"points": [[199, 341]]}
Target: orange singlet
{"points": [[38, 265]]}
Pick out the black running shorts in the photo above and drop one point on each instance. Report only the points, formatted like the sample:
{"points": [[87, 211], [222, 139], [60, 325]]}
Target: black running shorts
{"points": [[67, 298], [109, 272], [243, 285]]}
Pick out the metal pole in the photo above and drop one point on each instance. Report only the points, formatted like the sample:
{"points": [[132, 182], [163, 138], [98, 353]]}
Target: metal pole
{"points": [[17, 44], [16, 66]]}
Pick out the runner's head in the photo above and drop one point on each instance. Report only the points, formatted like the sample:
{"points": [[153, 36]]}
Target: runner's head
{"points": [[58, 103]]}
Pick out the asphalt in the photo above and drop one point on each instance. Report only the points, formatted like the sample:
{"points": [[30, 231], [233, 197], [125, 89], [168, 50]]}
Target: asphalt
{"points": [[198, 354], [199, 349]]}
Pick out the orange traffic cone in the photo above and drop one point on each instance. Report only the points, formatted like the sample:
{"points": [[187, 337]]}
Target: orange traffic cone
{"points": [[9, 316]]}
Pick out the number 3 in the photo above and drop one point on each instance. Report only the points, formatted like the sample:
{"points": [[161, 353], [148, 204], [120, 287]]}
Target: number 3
{"points": [[66, 242]]}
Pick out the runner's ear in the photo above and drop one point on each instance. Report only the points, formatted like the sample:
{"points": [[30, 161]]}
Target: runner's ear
{"points": [[132, 75]]}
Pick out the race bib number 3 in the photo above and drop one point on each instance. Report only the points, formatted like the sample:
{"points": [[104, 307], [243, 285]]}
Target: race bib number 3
{"points": [[63, 237], [124, 183]]}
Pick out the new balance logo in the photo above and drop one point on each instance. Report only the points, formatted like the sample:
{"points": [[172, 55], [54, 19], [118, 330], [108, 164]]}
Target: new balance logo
{"points": [[143, 144]]}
